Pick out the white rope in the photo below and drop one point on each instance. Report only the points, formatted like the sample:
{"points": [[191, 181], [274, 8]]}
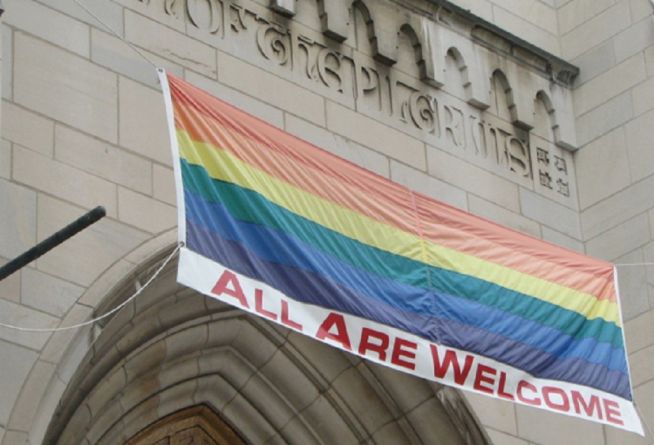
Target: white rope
{"points": [[634, 264], [113, 311], [138, 51]]}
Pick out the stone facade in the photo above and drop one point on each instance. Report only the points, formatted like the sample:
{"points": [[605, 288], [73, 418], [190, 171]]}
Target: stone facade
{"points": [[476, 103]]}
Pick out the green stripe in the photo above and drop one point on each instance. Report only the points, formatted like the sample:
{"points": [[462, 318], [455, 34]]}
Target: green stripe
{"points": [[250, 206]]}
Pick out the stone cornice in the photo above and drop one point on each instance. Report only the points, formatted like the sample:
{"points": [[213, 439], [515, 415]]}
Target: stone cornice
{"points": [[513, 46]]}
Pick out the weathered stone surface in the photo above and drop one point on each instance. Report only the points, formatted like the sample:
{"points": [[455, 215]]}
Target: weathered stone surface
{"points": [[144, 212], [30, 397], [604, 118], [573, 13], [17, 219], [602, 168], [27, 129], [271, 89], [170, 44], [13, 376], [562, 240], [10, 286], [63, 181], [595, 61], [534, 34], [50, 25], [620, 239], [102, 159], [536, 425], [7, 61], [550, 213], [143, 124], [5, 159], [65, 87], [638, 332], [494, 413], [639, 146], [47, 293], [110, 12]]}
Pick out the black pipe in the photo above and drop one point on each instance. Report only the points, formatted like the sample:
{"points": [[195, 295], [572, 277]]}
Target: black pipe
{"points": [[53, 241]]}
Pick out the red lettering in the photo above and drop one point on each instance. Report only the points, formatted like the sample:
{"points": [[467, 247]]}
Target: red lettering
{"points": [[230, 279], [341, 336], [287, 321], [404, 348], [612, 410], [485, 374], [594, 405], [521, 385], [500, 391], [563, 405], [451, 359], [379, 346], [258, 305]]}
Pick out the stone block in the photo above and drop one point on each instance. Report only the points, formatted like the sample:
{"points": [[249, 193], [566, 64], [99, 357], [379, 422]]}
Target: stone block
{"points": [[340, 146], [500, 215], [533, 11], [425, 184], [10, 286], [644, 397], [639, 146], [595, 61], [17, 219], [615, 436], [473, 179], [376, 136], [13, 376], [143, 125], [110, 12], [359, 395], [247, 419], [638, 332], [547, 428], [271, 89], [63, 181], [634, 39], [584, 36], [7, 61], [290, 379], [549, 213], [609, 84], [499, 438], [633, 285], [30, 397], [602, 168], [144, 212], [515, 23], [643, 96], [163, 184], [47, 293], [640, 9], [48, 24], [604, 118], [15, 438], [82, 258], [110, 52], [22, 316], [562, 240], [576, 12], [250, 104], [102, 159], [5, 159], [65, 87], [619, 240], [45, 410], [617, 208], [641, 365], [493, 413], [430, 420], [27, 129], [170, 44]]}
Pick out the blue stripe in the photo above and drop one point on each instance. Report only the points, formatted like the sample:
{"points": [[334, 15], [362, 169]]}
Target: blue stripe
{"points": [[272, 247]]}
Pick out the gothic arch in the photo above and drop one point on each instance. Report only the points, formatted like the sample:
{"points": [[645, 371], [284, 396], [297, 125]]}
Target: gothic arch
{"points": [[543, 101], [172, 349]]}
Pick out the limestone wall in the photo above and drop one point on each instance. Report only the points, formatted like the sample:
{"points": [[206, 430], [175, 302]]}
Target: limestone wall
{"points": [[414, 92]]}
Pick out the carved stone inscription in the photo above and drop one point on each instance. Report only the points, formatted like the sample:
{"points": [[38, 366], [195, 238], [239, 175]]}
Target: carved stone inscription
{"points": [[379, 91]]}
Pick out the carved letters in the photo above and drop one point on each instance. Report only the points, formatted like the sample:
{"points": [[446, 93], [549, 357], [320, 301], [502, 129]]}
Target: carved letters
{"points": [[378, 90]]}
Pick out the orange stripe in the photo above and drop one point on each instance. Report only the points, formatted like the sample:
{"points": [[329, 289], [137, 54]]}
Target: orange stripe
{"points": [[304, 165]]}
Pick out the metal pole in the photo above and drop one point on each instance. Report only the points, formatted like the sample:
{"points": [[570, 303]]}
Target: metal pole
{"points": [[53, 241]]}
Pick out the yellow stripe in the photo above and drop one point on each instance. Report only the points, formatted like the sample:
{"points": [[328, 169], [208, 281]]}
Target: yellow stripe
{"points": [[225, 167]]}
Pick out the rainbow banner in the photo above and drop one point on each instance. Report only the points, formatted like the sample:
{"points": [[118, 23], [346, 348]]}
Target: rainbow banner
{"points": [[289, 232]]}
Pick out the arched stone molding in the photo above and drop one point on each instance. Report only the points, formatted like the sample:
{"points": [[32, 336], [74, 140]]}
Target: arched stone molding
{"points": [[172, 349], [565, 135], [284, 7], [545, 122], [443, 39], [382, 26]]}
